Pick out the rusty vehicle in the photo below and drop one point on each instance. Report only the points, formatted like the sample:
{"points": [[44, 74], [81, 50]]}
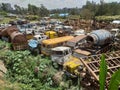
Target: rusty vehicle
{"points": [[76, 41], [73, 64], [87, 66], [48, 44], [65, 31], [60, 55], [6, 32], [19, 41], [92, 46]]}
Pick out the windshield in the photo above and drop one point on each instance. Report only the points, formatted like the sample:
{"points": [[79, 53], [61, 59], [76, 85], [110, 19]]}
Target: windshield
{"points": [[113, 32], [57, 52]]}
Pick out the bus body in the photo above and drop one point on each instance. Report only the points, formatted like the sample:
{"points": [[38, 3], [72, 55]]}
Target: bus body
{"points": [[51, 43]]}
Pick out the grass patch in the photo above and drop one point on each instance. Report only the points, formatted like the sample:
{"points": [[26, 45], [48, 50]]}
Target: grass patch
{"points": [[6, 20]]}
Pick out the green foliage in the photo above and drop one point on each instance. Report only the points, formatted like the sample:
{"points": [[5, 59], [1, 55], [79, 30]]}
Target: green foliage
{"points": [[86, 14], [3, 13], [32, 17], [74, 17], [108, 18], [2, 44], [40, 11], [115, 81], [29, 71], [74, 11], [103, 72], [102, 9]]}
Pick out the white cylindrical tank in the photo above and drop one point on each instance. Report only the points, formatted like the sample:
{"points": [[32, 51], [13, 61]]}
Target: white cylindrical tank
{"points": [[100, 37]]}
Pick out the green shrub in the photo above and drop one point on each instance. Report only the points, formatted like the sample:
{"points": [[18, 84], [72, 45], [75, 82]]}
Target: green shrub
{"points": [[32, 17]]}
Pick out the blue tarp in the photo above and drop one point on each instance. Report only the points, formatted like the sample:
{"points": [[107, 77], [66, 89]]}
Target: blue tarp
{"points": [[63, 14], [33, 43]]}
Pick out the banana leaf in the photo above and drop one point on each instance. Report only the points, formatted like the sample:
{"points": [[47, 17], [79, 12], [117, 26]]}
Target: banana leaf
{"points": [[103, 72], [115, 81]]}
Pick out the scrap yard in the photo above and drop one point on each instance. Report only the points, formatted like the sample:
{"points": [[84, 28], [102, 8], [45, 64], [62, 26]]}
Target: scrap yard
{"points": [[60, 49]]}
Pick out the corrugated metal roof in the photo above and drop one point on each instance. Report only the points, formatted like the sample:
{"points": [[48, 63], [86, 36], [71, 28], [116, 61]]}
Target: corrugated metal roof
{"points": [[78, 38]]}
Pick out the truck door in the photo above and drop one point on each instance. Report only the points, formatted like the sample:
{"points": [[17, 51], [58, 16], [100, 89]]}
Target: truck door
{"points": [[67, 55]]}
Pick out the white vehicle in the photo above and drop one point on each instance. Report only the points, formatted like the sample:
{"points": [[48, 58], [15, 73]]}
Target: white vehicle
{"points": [[57, 28], [115, 32], [61, 54], [40, 37], [79, 32], [76, 41], [68, 27], [116, 22]]}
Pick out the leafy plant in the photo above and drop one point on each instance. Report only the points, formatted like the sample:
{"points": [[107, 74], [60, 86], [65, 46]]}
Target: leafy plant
{"points": [[103, 72], [115, 81], [29, 71]]}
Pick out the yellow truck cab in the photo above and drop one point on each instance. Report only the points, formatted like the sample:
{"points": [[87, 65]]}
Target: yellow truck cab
{"points": [[51, 34], [72, 66]]}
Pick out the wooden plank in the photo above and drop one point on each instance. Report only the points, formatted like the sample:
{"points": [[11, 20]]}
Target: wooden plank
{"points": [[91, 71], [109, 68], [105, 59]]}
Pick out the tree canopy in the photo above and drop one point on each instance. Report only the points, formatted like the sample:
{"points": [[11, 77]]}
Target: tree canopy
{"points": [[89, 10]]}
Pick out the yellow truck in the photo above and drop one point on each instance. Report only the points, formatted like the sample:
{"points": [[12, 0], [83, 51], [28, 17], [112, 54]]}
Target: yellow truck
{"points": [[60, 55], [73, 65], [51, 34]]}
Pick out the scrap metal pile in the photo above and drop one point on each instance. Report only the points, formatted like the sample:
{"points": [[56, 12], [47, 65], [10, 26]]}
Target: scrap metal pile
{"points": [[92, 65], [89, 25], [67, 49]]}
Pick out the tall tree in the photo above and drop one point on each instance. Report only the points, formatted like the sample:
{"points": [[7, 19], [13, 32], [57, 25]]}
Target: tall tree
{"points": [[43, 11], [18, 9], [86, 14]]}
